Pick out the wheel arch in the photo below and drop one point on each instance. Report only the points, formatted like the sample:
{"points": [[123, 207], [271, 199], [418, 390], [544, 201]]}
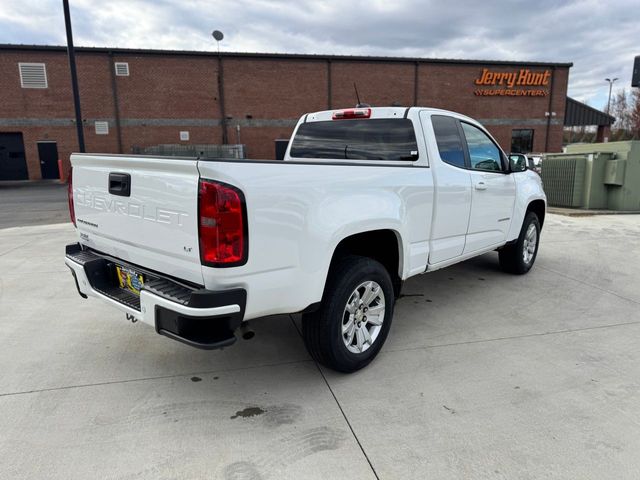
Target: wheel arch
{"points": [[533, 202], [383, 245], [538, 207]]}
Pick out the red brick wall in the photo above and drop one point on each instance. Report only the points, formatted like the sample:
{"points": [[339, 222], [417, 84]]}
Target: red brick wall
{"points": [[53, 102], [147, 135], [168, 87], [379, 84], [261, 141], [169, 93], [262, 89], [56, 103], [274, 89]]}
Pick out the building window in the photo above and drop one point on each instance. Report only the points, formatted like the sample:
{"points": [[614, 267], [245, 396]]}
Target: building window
{"points": [[33, 75], [522, 140], [122, 69], [102, 128]]}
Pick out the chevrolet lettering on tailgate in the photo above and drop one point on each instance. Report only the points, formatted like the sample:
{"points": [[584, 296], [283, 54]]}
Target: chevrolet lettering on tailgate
{"points": [[130, 209]]}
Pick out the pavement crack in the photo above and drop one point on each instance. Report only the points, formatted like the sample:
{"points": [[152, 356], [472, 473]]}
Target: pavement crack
{"points": [[513, 337], [582, 282], [144, 379], [19, 246], [344, 415]]}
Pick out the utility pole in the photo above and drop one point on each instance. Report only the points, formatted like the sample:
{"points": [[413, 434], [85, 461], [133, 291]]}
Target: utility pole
{"points": [[74, 75], [610, 88]]}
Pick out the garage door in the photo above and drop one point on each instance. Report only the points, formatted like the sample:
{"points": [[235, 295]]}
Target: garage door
{"points": [[13, 163]]}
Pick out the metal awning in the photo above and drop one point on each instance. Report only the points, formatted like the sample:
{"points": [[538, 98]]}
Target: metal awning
{"points": [[578, 114]]}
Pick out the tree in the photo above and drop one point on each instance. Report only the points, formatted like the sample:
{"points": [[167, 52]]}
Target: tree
{"points": [[634, 114], [625, 107], [620, 110]]}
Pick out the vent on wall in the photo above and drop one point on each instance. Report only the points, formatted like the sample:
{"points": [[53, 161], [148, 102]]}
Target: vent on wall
{"points": [[102, 128], [33, 75], [122, 69]]}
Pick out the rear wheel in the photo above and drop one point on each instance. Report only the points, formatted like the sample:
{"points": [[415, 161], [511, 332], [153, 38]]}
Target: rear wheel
{"points": [[519, 257], [351, 325]]}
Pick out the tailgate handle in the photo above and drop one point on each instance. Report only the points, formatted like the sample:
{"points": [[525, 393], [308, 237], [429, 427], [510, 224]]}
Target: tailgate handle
{"points": [[120, 184]]}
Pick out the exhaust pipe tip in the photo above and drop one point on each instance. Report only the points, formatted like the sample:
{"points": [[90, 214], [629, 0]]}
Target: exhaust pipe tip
{"points": [[246, 332]]}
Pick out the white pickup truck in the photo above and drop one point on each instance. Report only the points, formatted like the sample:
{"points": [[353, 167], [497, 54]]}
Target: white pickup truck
{"points": [[364, 199]]}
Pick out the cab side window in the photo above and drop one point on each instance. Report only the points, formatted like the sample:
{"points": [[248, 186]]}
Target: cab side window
{"points": [[483, 153], [450, 143]]}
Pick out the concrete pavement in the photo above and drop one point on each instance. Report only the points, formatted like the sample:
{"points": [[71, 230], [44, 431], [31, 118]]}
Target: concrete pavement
{"points": [[484, 375]]}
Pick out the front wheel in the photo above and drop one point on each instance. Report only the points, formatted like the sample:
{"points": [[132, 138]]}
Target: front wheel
{"points": [[349, 329], [519, 257]]}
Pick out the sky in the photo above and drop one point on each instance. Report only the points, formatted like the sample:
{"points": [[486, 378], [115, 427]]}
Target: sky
{"points": [[600, 37]]}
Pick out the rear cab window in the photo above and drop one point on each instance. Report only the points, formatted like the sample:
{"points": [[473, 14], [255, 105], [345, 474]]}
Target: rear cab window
{"points": [[449, 140], [390, 139]]}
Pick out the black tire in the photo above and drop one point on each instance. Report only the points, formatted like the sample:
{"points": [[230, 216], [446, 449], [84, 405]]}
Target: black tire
{"points": [[511, 256], [322, 329]]}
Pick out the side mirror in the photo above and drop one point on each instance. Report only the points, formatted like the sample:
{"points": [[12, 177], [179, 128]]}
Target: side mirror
{"points": [[517, 162]]}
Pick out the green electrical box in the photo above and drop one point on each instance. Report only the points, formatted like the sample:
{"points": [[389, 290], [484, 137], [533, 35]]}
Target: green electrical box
{"points": [[563, 179], [614, 172], [594, 175]]}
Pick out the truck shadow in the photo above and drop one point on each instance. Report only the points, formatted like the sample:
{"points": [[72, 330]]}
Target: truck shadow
{"points": [[431, 306]]}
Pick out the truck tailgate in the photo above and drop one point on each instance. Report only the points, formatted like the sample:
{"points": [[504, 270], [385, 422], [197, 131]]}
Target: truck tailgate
{"points": [[155, 225]]}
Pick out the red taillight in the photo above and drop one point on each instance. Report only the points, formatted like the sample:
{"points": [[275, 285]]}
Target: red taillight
{"points": [[72, 210], [222, 225], [351, 113]]}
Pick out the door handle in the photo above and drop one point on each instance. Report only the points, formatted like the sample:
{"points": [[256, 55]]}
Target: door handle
{"points": [[481, 186]]}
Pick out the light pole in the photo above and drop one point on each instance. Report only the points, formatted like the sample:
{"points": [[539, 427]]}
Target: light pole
{"points": [[610, 87], [74, 76], [218, 36]]}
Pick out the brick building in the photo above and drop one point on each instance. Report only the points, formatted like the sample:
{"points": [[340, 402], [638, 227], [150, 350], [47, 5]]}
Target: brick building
{"points": [[137, 98]]}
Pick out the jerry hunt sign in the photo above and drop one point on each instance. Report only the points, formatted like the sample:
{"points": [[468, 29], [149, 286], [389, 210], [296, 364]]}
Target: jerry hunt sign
{"points": [[513, 83]]}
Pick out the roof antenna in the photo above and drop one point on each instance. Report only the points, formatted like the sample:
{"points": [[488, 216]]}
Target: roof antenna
{"points": [[359, 105]]}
